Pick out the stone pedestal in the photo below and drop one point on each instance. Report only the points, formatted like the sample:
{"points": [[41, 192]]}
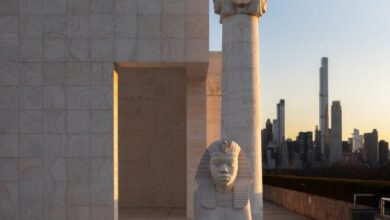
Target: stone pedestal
{"points": [[240, 113]]}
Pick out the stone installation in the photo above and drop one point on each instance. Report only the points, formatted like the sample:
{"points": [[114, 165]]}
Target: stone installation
{"points": [[224, 178], [240, 110]]}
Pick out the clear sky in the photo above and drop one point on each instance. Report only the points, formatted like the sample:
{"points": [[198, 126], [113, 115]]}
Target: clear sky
{"points": [[295, 34]]}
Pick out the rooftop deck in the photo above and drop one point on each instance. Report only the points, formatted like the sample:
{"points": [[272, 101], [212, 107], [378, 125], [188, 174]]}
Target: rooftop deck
{"points": [[271, 212]]}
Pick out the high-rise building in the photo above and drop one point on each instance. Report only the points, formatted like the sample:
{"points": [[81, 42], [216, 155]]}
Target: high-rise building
{"points": [[275, 131], [271, 161], [305, 143], [264, 146], [357, 141], [335, 153], [280, 114], [373, 153], [371, 148], [317, 144], [290, 148], [266, 138], [324, 113], [281, 121], [347, 146], [268, 127], [283, 156], [383, 152]]}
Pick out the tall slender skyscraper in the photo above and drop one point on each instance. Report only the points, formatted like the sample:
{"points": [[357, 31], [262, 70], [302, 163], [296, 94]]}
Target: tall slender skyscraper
{"points": [[335, 152], [281, 121], [281, 131], [324, 114]]}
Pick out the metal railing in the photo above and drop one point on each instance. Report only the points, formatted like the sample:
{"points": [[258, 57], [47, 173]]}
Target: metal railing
{"points": [[383, 202], [356, 196]]}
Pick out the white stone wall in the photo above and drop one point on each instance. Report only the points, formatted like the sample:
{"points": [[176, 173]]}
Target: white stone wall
{"points": [[56, 64]]}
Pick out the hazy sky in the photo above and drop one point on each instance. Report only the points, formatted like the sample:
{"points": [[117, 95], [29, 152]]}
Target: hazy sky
{"points": [[295, 34]]}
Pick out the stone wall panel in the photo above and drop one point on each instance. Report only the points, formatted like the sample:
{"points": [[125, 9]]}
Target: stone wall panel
{"points": [[56, 89]]}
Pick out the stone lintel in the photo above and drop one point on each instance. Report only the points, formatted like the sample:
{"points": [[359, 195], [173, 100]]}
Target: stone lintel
{"points": [[195, 71]]}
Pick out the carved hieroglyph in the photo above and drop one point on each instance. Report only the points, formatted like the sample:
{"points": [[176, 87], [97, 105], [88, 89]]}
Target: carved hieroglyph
{"points": [[227, 8], [223, 179]]}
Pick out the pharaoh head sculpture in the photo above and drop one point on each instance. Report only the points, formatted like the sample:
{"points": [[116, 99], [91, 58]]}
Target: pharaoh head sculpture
{"points": [[231, 7], [223, 165], [224, 162]]}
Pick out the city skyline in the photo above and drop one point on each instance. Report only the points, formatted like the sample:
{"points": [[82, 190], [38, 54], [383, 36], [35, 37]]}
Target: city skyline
{"points": [[353, 36]]}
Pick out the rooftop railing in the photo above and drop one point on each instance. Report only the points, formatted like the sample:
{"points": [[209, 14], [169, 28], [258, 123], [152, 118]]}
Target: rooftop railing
{"points": [[383, 203]]}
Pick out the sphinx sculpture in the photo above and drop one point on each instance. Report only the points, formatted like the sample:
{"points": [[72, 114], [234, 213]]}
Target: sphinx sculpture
{"points": [[223, 179]]}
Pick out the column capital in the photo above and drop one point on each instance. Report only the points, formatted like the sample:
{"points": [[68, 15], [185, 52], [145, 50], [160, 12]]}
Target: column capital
{"points": [[227, 8]]}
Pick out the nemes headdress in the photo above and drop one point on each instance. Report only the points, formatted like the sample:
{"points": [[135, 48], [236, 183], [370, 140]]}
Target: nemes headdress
{"points": [[206, 184], [224, 147]]}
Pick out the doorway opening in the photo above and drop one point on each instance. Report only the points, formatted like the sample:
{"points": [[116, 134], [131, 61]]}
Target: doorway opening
{"points": [[150, 137]]}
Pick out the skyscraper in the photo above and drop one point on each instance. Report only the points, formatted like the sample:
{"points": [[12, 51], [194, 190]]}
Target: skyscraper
{"points": [[371, 147], [281, 121], [266, 138], [264, 146], [324, 114], [357, 141], [317, 143], [280, 114], [347, 146], [335, 153], [383, 152], [373, 153], [275, 131], [268, 127], [305, 143]]}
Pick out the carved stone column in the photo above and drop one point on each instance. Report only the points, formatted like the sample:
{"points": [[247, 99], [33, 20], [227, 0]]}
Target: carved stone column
{"points": [[240, 113]]}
